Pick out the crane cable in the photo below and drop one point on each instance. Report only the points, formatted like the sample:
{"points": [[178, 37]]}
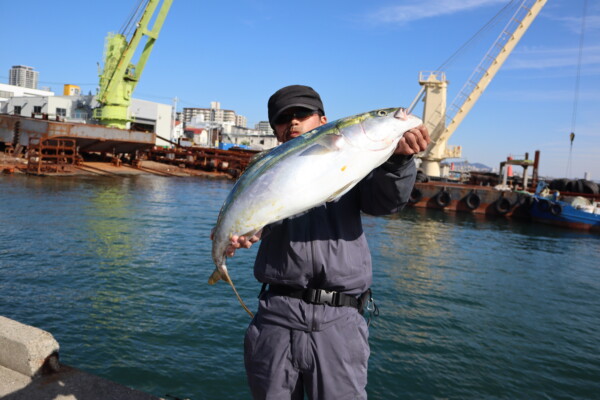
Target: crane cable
{"points": [[128, 20], [132, 21], [490, 24], [577, 84], [578, 77]]}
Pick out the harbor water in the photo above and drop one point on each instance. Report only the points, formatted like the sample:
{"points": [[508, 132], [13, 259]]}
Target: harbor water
{"points": [[470, 308]]}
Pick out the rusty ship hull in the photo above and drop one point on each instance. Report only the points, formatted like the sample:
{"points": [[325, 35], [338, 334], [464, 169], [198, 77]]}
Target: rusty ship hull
{"points": [[19, 130], [475, 199], [488, 201]]}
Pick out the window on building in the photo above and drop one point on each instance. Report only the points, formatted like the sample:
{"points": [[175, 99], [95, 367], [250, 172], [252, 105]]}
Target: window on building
{"points": [[81, 114], [37, 109], [61, 112], [17, 110]]}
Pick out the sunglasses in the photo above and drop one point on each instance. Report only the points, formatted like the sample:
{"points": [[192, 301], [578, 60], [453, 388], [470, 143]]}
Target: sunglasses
{"points": [[300, 115]]}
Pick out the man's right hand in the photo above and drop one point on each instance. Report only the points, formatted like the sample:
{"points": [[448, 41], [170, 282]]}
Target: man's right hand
{"points": [[414, 141], [241, 242]]}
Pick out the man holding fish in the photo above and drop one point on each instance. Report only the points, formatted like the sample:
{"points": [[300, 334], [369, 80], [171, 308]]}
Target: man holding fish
{"points": [[309, 334]]}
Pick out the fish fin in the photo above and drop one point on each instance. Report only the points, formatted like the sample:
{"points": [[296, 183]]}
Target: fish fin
{"points": [[315, 150], [215, 277], [342, 191], [226, 278], [326, 144]]}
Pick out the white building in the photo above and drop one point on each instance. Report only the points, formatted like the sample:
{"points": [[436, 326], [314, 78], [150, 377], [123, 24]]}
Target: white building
{"points": [[199, 136], [24, 76], [207, 133], [8, 91], [250, 137], [62, 107], [152, 117]]}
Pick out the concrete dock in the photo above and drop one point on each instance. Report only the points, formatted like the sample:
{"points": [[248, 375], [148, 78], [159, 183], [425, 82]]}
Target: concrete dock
{"points": [[30, 370]]}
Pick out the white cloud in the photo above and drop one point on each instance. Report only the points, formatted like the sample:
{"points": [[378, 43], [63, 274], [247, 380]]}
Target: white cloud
{"points": [[546, 95], [574, 24], [416, 10], [541, 58]]}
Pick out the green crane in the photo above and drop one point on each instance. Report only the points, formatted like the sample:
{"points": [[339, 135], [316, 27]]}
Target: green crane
{"points": [[120, 76]]}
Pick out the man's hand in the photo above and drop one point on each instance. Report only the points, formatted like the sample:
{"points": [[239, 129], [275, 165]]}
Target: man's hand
{"points": [[414, 141], [238, 242], [242, 242]]}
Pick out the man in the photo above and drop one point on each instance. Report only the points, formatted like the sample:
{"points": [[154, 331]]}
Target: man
{"points": [[308, 335]]}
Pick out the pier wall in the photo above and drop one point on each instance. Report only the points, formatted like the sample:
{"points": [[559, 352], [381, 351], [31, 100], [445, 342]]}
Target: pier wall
{"points": [[30, 369]]}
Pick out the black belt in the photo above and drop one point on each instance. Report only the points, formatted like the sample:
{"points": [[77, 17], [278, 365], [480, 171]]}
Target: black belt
{"points": [[320, 296]]}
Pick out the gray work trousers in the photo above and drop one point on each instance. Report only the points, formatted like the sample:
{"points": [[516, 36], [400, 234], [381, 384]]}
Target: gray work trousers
{"points": [[284, 363]]}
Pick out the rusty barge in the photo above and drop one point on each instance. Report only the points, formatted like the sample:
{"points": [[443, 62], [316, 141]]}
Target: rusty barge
{"points": [[500, 195], [52, 146], [475, 199], [56, 146]]}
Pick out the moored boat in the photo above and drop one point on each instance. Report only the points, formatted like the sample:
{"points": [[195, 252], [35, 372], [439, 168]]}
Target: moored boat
{"points": [[574, 213]]}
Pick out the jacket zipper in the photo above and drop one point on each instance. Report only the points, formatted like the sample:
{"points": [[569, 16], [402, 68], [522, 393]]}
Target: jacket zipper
{"points": [[312, 250]]}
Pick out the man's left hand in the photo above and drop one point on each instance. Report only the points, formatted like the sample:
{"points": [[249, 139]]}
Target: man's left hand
{"points": [[414, 141]]}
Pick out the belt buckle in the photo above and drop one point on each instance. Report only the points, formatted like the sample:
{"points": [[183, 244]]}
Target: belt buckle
{"points": [[326, 297]]}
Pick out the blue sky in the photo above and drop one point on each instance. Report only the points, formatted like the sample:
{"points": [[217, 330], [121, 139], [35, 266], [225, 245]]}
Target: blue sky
{"points": [[359, 55]]}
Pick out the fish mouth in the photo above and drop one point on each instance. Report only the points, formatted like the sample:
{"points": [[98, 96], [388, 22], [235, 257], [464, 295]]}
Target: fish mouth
{"points": [[401, 114]]}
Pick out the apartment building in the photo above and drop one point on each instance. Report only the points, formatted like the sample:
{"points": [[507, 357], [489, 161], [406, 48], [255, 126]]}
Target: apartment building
{"points": [[24, 76]]}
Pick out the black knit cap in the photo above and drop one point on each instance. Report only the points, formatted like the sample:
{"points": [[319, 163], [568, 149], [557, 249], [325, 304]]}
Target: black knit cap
{"points": [[293, 96]]}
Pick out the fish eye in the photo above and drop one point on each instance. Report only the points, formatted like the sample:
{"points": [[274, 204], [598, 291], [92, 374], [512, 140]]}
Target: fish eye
{"points": [[382, 113]]}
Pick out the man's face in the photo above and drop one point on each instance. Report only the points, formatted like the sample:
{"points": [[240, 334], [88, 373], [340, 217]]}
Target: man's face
{"points": [[295, 121]]}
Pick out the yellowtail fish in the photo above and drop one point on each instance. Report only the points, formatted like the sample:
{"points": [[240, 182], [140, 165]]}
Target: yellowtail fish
{"points": [[319, 166]]}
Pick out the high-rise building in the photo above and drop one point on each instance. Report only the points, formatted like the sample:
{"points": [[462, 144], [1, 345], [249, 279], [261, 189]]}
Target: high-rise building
{"points": [[240, 120], [213, 114], [21, 75], [264, 127]]}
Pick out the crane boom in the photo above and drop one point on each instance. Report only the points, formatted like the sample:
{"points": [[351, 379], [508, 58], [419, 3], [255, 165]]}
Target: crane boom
{"points": [[120, 76], [442, 123]]}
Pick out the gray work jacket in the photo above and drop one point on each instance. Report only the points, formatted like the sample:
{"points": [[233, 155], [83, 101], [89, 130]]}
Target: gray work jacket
{"points": [[325, 247]]}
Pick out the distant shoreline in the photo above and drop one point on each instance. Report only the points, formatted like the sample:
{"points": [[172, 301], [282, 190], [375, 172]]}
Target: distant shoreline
{"points": [[11, 165]]}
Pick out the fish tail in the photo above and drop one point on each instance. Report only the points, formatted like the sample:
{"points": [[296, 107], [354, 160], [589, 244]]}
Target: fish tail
{"points": [[225, 276], [215, 277]]}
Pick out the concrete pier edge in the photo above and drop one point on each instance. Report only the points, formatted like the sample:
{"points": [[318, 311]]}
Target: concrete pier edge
{"points": [[30, 369]]}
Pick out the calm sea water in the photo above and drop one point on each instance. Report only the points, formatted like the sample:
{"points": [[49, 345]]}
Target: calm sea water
{"points": [[116, 270]]}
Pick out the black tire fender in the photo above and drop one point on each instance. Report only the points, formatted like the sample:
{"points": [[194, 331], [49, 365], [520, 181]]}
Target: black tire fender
{"points": [[525, 200], [544, 205], [443, 198], [502, 205], [415, 196], [556, 209], [472, 201]]}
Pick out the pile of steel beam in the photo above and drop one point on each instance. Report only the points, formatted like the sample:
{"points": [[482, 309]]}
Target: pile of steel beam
{"points": [[233, 161]]}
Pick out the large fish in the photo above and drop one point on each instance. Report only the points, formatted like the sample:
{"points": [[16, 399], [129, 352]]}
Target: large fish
{"points": [[313, 168]]}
